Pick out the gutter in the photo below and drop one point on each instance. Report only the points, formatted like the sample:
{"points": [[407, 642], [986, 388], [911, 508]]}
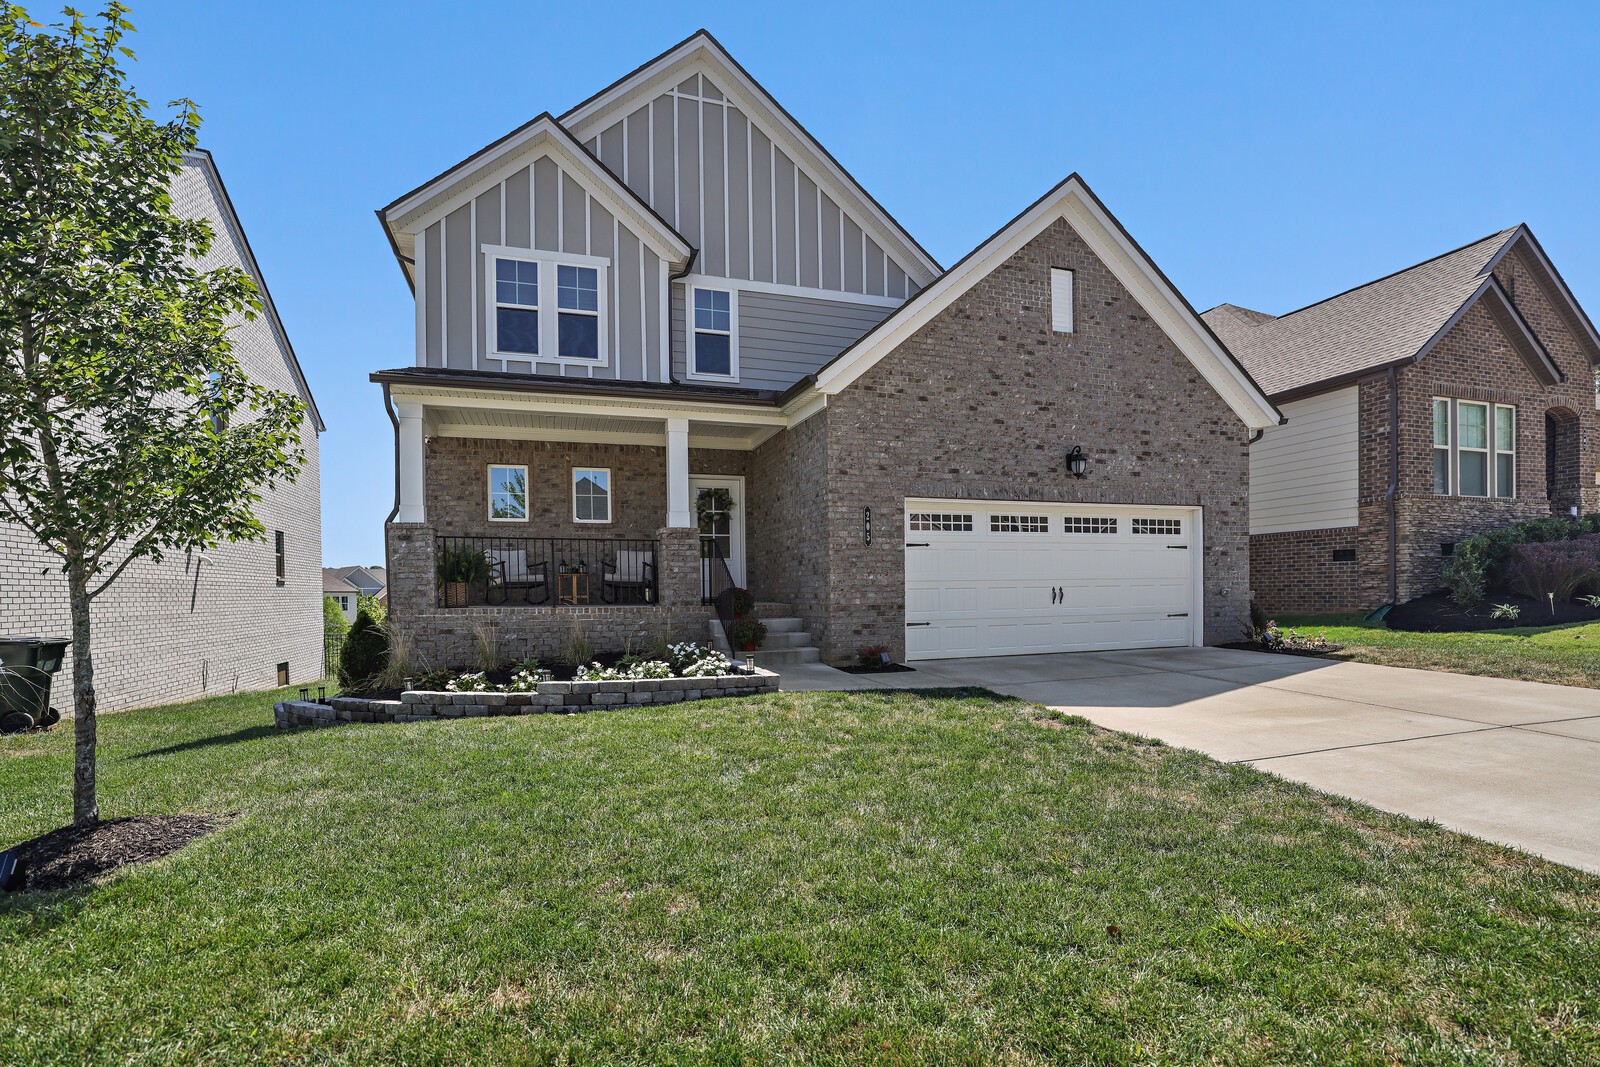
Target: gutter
{"points": [[1394, 484], [388, 406]]}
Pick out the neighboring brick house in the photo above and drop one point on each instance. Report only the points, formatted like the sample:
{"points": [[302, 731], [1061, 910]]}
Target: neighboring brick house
{"points": [[1486, 362], [667, 334], [235, 617]]}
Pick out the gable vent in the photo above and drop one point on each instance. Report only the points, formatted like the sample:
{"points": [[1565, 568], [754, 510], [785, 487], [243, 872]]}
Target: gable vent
{"points": [[1060, 300]]}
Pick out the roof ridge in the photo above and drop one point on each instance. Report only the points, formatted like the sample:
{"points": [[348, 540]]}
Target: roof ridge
{"points": [[1506, 233]]}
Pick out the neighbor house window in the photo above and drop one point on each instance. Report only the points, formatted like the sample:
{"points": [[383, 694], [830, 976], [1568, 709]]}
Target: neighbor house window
{"points": [[591, 494], [1441, 447], [1474, 448], [713, 353], [277, 545], [1505, 451], [508, 493], [527, 327]]}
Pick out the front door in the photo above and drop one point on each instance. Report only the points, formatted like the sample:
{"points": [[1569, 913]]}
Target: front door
{"points": [[719, 510]]}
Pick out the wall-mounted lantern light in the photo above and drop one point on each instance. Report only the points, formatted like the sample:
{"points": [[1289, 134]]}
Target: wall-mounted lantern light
{"points": [[1077, 462]]}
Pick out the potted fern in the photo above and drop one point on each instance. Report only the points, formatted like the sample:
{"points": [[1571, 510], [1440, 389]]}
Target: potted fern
{"points": [[460, 567]]}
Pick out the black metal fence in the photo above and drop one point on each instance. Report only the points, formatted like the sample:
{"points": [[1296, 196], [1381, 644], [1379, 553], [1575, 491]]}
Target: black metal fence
{"points": [[546, 570], [332, 646]]}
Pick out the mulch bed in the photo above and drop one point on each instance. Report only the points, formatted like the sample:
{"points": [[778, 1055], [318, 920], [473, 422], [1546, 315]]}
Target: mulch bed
{"points": [[1281, 650], [1437, 613], [877, 668], [76, 855]]}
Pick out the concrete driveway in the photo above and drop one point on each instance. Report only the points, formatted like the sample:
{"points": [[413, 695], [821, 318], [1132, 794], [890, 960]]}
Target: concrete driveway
{"points": [[1515, 762]]}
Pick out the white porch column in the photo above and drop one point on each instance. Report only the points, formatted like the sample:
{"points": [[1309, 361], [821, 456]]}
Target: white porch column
{"points": [[412, 507], [678, 514]]}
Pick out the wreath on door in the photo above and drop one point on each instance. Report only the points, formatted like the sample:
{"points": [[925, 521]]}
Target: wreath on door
{"points": [[709, 501]]}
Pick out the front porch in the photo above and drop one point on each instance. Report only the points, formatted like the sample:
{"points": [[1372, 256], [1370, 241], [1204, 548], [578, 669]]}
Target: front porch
{"points": [[522, 515]]}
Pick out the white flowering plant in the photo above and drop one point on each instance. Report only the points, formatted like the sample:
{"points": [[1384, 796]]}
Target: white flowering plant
{"points": [[468, 683]]}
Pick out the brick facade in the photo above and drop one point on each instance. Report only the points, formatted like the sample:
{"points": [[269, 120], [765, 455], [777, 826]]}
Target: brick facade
{"points": [[183, 629], [1473, 361], [985, 401]]}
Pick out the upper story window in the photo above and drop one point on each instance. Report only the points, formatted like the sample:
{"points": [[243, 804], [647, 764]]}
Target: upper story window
{"points": [[579, 300], [1474, 448], [526, 325], [279, 555], [713, 347], [508, 492], [516, 295]]}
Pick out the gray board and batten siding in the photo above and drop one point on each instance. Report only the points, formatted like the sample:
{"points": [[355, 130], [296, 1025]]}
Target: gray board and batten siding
{"points": [[695, 157]]}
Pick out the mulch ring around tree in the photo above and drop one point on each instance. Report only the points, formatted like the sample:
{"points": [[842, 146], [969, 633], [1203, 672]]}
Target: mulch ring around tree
{"points": [[1437, 613], [76, 855]]}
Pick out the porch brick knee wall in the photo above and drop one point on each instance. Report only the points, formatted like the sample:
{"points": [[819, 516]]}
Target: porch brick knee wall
{"points": [[984, 403]]}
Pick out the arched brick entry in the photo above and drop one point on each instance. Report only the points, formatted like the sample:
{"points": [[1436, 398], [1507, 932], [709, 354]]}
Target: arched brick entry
{"points": [[1561, 475]]}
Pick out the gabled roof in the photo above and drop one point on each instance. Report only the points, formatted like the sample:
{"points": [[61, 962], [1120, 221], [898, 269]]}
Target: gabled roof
{"points": [[203, 159], [344, 579], [1394, 320], [1075, 202], [542, 136], [703, 53]]}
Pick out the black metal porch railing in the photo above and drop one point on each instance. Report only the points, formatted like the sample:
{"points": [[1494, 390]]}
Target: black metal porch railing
{"points": [[546, 570], [717, 584]]}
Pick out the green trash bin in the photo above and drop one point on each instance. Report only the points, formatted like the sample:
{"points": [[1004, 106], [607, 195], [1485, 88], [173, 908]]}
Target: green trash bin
{"points": [[27, 667]]}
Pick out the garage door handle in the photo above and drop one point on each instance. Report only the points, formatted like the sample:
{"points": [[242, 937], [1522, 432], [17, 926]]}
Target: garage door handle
{"points": [[1053, 593], [919, 624], [917, 544], [1177, 546], [1178, 615]]}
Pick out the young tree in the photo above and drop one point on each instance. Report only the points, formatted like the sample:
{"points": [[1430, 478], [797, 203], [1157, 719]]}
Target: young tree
{"points": [[334, 624], [130, 429]]}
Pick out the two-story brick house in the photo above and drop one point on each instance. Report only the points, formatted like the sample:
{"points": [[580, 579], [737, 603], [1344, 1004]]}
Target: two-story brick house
{"points": [[1445, 399], [666, 333], [237, 616]]}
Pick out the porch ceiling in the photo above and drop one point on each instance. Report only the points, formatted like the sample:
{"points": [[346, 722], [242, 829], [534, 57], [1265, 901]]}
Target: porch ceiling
{"points": [[607, 428]]}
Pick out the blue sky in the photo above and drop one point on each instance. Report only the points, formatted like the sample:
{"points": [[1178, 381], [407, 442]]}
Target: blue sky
{"points": [[1268, 155]]}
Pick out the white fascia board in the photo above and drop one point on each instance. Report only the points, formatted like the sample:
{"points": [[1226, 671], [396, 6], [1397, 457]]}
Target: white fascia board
{"points": [[1106, 239], [540, 139], [566, 404], [700, 55]]}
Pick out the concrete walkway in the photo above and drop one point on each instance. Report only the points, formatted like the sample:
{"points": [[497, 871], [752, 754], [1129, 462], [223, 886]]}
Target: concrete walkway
{"points": [[1515, 762]]}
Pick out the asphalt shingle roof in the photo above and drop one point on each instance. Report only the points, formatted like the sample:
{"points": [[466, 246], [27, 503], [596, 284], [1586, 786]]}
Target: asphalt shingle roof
{"points": [[1370, 326]]}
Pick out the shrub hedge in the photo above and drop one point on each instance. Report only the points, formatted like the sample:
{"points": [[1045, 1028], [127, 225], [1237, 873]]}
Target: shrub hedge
{"points": [[1483, 562]]}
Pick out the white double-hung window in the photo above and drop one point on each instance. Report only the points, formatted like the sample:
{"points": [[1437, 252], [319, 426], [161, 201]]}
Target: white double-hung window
{"points": [[546, 307], [1474, 448], [713, 343]]}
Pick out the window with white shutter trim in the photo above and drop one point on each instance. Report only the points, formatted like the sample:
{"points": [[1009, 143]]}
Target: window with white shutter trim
{"points": [[1060, 300]]}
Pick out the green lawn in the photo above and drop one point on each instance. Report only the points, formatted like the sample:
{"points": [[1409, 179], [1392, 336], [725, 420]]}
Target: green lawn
{"points": [[1565, 655], [818, 878]]}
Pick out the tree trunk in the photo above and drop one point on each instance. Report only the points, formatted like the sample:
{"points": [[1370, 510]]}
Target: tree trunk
{"points": [[85, 807]]}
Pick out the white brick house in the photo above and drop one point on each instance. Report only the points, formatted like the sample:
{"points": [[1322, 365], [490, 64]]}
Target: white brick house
{"points": [[199, 624]]}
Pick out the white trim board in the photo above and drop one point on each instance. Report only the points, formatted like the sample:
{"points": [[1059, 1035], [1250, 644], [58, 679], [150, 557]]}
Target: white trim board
{"points": [[712, 281], [1073, 201], [543, 137]]}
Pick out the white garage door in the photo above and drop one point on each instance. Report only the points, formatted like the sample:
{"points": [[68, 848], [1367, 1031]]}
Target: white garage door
{"points": [[987, 579]]}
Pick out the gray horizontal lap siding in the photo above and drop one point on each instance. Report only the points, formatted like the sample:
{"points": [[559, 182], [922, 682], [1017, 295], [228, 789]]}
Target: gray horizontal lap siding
{"points": [[543, 209], [782, 338], [752, 213]]}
